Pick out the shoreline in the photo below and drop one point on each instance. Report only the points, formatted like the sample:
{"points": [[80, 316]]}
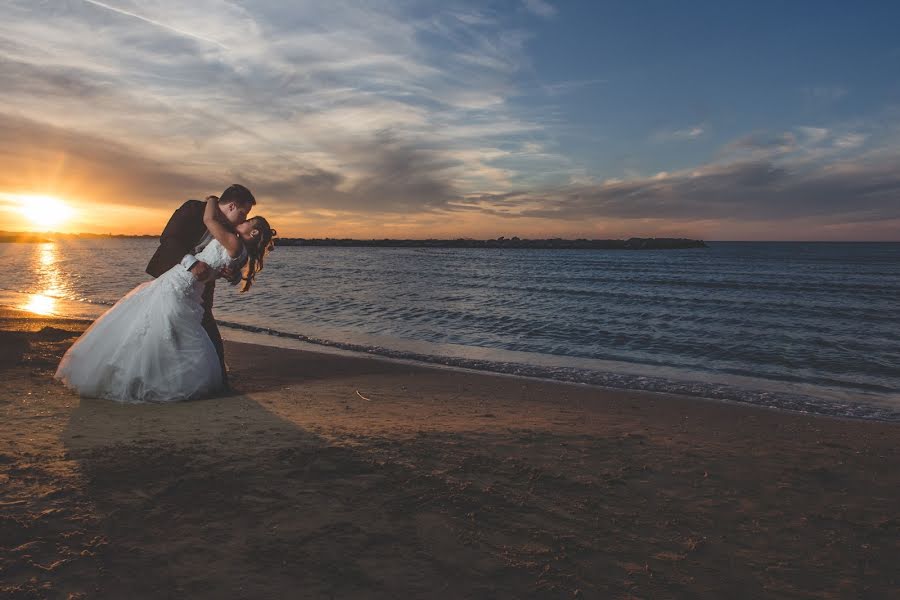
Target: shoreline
{"points": [[364, 478], [288, 342], [793, 397]]}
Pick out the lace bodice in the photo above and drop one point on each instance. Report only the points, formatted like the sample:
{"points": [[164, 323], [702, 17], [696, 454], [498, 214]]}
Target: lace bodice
{"points": [[217, 257]]}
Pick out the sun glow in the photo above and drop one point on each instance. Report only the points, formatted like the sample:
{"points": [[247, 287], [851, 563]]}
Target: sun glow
{"points": [[44, 211]]}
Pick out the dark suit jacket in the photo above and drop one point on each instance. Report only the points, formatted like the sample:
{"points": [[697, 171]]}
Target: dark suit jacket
{"points": [[183, 231]]}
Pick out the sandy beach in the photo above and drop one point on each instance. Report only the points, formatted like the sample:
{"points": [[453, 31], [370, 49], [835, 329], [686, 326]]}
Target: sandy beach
{"points": [[331, 476]]}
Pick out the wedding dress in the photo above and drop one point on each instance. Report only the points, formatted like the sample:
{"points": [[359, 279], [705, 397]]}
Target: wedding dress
{"points": [[150, 346]]}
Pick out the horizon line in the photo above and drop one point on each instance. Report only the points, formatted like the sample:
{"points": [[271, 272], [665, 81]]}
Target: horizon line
{"points": [[745, 241]]}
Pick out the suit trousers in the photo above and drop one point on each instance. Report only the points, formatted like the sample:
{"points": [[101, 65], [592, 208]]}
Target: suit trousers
{"points": [[209, 324]]}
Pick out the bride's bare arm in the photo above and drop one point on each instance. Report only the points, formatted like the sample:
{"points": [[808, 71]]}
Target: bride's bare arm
{"points": [[223, 234]]}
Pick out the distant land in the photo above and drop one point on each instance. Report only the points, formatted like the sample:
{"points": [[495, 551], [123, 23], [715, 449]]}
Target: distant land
{"points": [[27, 237], [500, 242], [503, 242]]}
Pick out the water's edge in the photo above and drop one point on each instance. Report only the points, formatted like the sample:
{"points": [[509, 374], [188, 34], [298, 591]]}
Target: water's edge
{"points": [[610, 380]]}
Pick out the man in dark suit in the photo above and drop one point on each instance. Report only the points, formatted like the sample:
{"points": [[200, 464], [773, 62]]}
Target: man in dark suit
{"points": [[185, 235]]}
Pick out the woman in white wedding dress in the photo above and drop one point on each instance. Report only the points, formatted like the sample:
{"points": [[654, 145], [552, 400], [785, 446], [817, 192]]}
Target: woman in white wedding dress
{"points": [[150, 346]]}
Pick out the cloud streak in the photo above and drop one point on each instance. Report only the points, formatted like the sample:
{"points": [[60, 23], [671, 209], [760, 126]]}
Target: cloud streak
{"points": [[689, 133], [755, 190], [154, 23], [277, 89]]}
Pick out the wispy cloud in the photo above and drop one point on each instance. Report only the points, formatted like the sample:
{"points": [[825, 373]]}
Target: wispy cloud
{"points": [[756, 190], [850, 141], [218, 86], [155, 23], [688, 133], [567, 87], [540, 7], [814, 135], [763, 144]]}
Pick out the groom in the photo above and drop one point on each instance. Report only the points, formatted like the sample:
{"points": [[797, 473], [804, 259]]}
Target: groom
{"points": [[186, 235]]}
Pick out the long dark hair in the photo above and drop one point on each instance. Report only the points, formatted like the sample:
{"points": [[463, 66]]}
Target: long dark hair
{"points": [[256, 253]]}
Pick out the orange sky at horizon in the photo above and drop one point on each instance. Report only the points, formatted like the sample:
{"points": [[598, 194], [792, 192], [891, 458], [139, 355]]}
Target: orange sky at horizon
{"points": [[105, 217], [119, 190], [109, 218], [95, 214]]}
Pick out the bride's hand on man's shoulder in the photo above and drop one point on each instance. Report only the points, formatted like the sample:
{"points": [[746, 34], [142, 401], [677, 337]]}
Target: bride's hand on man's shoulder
{"points": [[213, 198]]}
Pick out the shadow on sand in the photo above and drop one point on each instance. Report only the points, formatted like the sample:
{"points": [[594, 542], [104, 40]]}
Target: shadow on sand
{"points": [[222, 498]]}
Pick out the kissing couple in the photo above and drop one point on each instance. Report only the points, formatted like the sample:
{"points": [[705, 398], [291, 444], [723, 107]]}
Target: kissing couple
{"points": [[160, 342]]}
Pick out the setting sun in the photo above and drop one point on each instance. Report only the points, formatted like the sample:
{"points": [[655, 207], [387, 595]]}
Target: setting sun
{"points": [[44, 211]]}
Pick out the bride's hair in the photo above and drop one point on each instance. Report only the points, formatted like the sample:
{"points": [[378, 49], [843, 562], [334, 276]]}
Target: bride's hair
{"points": [[256, 252]]}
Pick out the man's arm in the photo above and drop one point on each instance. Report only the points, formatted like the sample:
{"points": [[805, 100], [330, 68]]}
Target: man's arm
{"points": [[223, 232]]}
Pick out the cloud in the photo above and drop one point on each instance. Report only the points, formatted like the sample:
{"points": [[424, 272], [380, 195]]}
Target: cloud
{"points": [[155, 23], [757, 190], [277, 61], [211, 88], [392, 176], [567, 87], [814, 135], [850, 141], [46, 159], [389, 175], [540, 8], [689, 133], [827, 140], [406, 181], [764, 142]]}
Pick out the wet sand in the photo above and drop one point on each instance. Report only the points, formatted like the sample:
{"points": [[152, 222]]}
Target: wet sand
{"points": [[333, 476]]}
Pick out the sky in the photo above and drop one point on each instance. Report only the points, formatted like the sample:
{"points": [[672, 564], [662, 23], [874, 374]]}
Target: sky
{"points": [[717, 120]]}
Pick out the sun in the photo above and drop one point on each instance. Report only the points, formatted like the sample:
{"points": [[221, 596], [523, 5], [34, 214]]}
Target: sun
{"points": [[44, 211]]}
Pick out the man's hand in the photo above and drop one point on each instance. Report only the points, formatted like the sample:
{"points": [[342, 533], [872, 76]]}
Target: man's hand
{"points": [[232, 276], [202, 271]]}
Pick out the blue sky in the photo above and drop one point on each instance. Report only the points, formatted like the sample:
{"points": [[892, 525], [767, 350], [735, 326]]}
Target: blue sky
{"points": [[718, 120], [721, 70]]}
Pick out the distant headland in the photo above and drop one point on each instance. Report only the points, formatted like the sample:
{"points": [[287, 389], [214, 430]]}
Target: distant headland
{"points": [[500, 242], [24, 238], [503, 242], [28, 237]]}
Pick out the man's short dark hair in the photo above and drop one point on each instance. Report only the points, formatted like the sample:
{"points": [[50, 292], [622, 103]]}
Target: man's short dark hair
{"points": [[238, 194]]}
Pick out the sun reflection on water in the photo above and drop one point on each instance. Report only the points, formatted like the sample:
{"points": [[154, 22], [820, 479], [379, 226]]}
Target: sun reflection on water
{"points": [[40, 304], [44, 263]]}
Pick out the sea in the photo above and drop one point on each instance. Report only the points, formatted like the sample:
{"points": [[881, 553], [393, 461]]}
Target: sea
{"points": [[811, 327]]}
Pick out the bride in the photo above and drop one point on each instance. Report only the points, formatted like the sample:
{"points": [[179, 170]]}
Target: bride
{"points": [[151, 346]]}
